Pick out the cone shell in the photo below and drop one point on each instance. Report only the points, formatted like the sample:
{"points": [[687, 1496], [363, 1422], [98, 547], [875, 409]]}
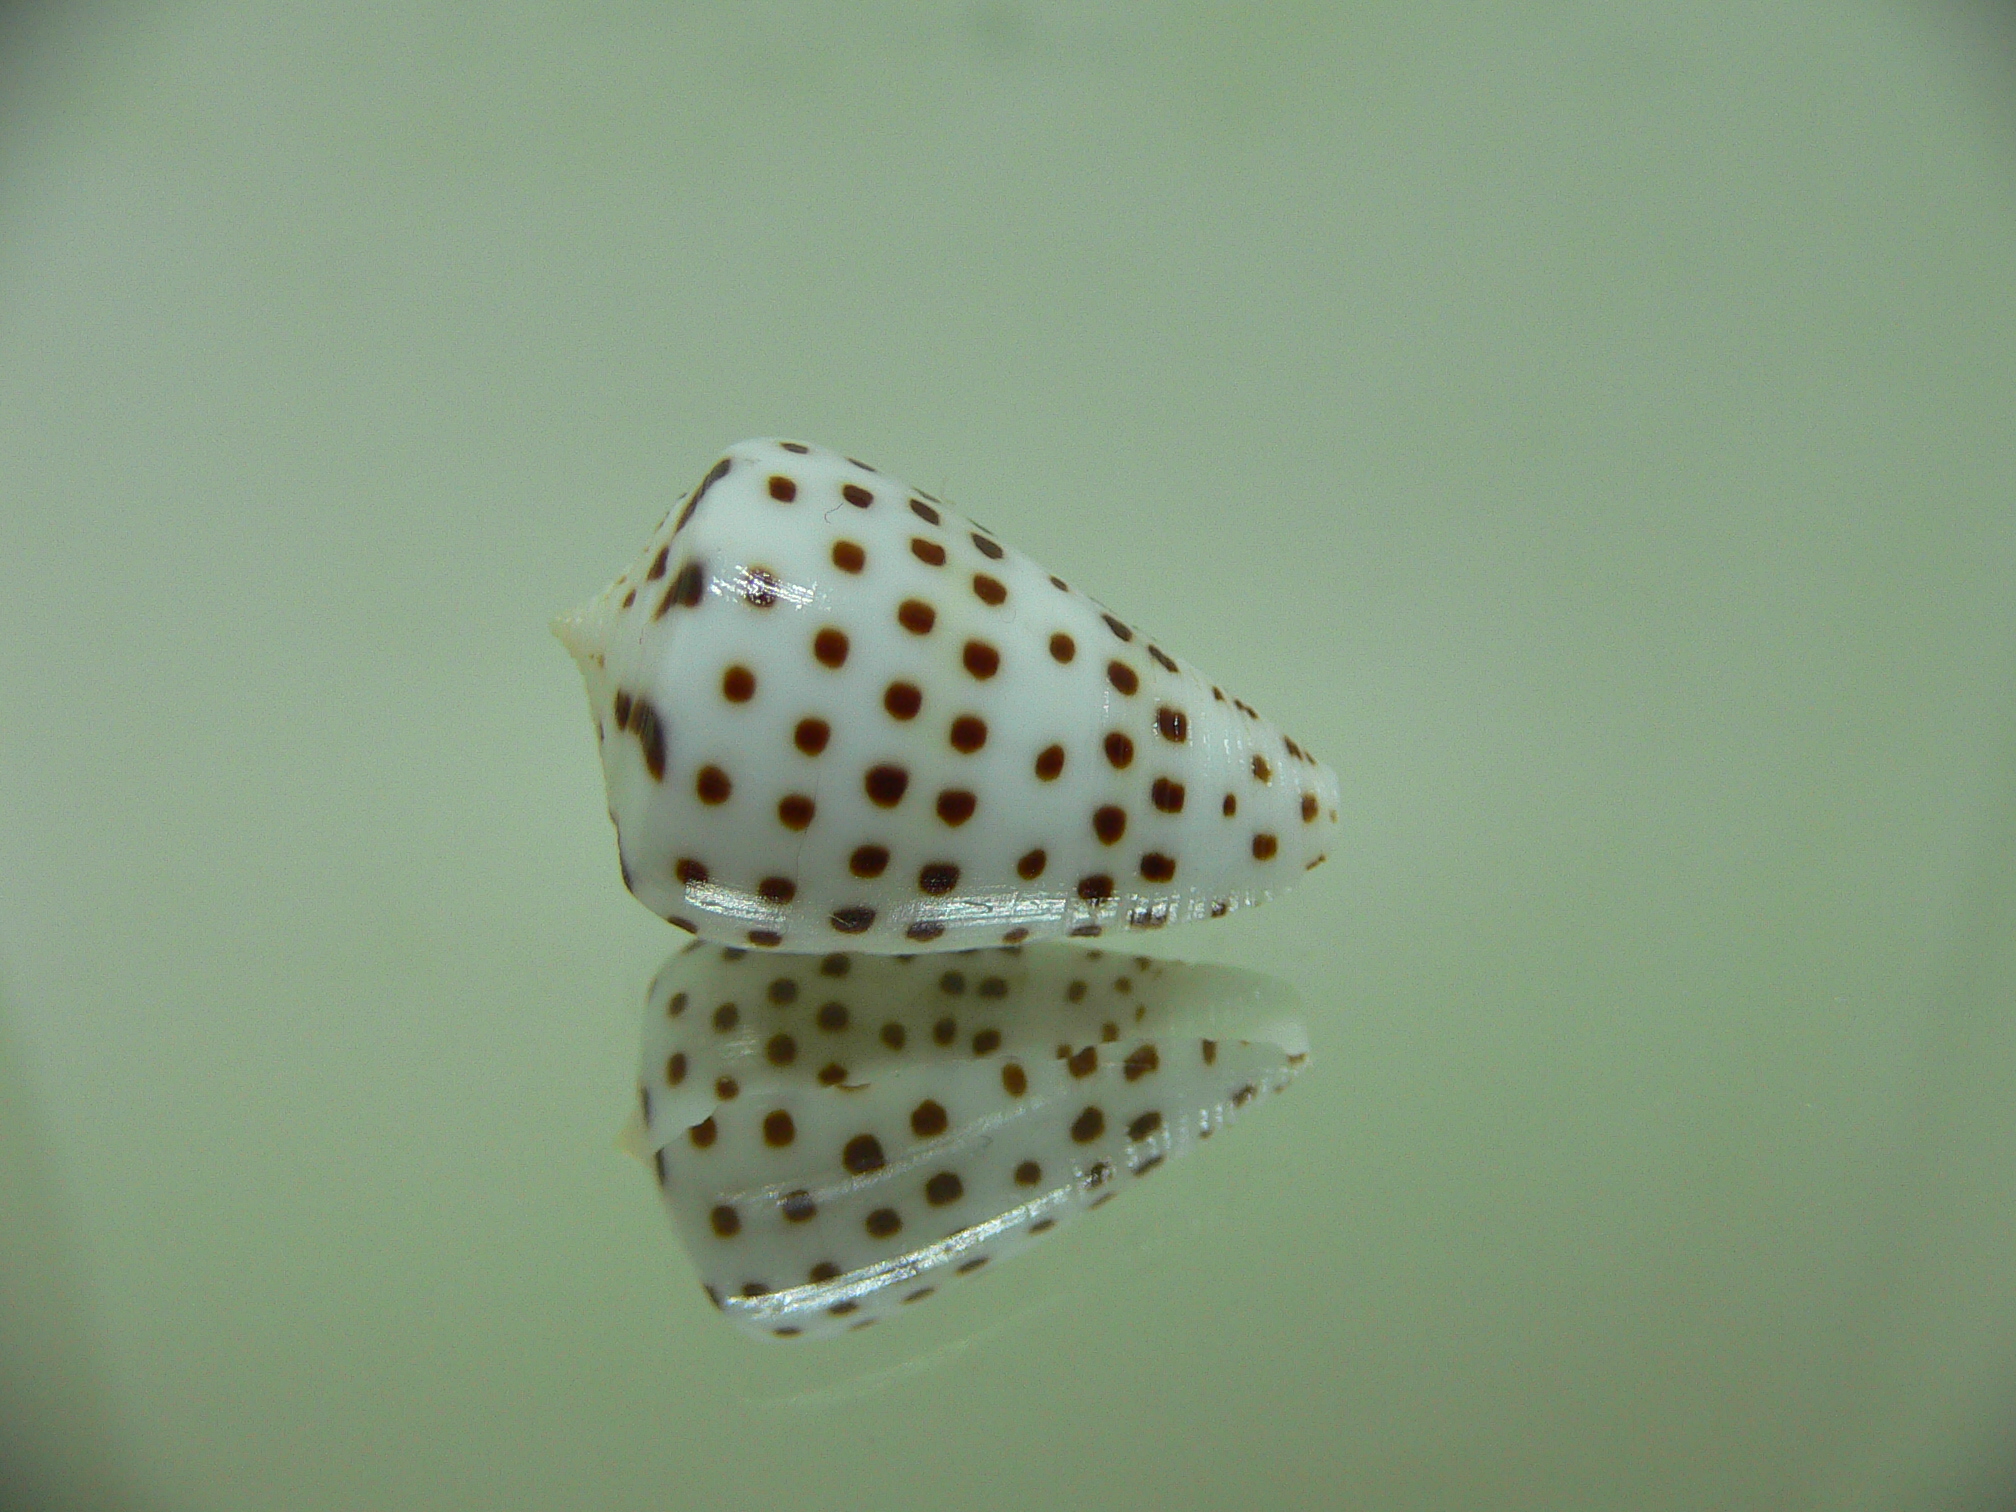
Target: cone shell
{"points": [[836, 713]]}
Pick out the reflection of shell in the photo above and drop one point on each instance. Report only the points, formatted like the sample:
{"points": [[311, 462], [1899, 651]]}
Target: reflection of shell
{"points": [[836, 713], [836, 1136]]}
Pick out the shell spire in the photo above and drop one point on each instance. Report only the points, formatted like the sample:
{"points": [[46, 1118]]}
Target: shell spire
{"points": [[837, 714]]}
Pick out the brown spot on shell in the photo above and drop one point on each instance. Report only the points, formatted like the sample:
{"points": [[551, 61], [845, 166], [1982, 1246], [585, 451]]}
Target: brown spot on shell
{"points": [[1167, 795], [924, 511], [929, 1119], [1050, 762], [855, 494], [1156, 867], [956, 806], [902, 700], [987, 548], [868, 860], [928, 552], [849, 556], [830, 647], [1088, 1125], [1117, 627], [1062, 647], [1109, 823], [1119, 750], [811, 736], [1140, 1062], [981, 659], [712, 785], [650, 733], [1096, 888], [782, 489], [1030, 867], [795, 811], [885, 785], [1123, 677], [738, 684], [916, 616], [1264, 846], [1172, 725], [989, 590], [944, 1187], [853, 918], [968, 734], [938, 878]]}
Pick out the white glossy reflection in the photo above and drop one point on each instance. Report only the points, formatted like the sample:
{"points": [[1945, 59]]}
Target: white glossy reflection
{"points": [[838, 1136]]}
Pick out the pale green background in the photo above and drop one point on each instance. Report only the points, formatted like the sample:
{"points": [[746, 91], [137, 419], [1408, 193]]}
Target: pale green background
{"points": [[1591, 427]]}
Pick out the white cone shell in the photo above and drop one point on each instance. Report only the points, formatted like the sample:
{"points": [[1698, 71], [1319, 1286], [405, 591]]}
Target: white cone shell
{"points": [[835, 713]]}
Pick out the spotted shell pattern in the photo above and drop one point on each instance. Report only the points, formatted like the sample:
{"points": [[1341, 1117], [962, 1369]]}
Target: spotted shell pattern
{"points": [[839, 1137], [834, 712]]}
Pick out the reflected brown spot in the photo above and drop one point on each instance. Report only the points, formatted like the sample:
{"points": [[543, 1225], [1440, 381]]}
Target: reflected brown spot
{"points": [[832, 1016], [882, 1223], [893, 1035], [1028, 1173], [928, 1120], [1088, 1125], [1145, 1125], [675, 1068], [726, 1017], [945, 1030], [781, 1050], [987, 1041], [1141, 1061], [703, 1133], [727, 1222], [1014, 1081], [778, 1129], [943, 1188], [924, 930], [862, 1154], [1084, 1062], [658, 565], [837, 964]]}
